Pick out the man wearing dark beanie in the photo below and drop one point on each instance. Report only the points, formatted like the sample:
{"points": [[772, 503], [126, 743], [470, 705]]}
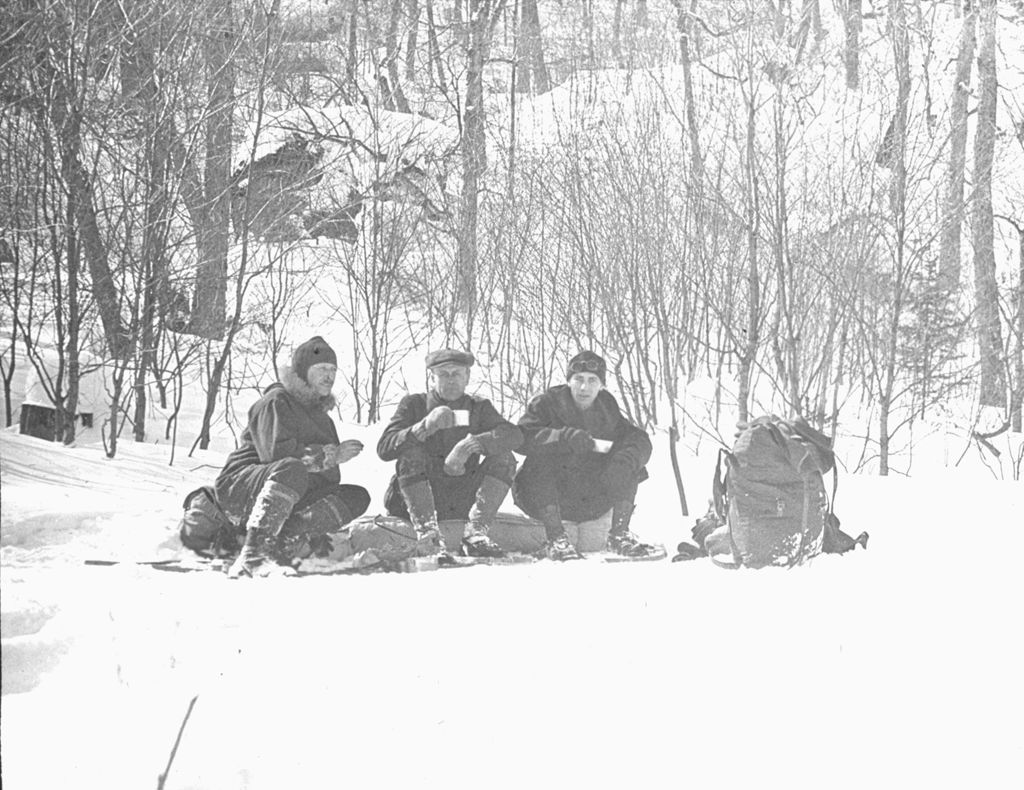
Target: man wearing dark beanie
{"points": [[282, 483], [453, 458], [583, 458]]}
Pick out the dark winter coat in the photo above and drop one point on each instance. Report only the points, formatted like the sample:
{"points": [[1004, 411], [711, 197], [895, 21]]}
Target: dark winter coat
{"points": [[551, 425], [495, 433], [289, 421]]}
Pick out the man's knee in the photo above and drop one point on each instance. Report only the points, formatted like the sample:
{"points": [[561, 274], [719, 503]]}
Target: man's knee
{"points": [[619, 483], [356, 498], [290, 472], [501, 465], [413, 464], [535, 488]]}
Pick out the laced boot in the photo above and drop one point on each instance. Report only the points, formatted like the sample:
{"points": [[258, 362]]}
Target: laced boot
{"points": [[557, 546], [309, 530], [476, 542], [272, 507], [419, 499], [620, 539]]}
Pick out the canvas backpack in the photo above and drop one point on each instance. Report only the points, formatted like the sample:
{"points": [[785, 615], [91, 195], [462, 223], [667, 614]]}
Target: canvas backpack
{"points": [[772, 495], [205, 527]]}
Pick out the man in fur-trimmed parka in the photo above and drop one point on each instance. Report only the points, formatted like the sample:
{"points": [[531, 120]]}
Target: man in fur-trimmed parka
{"points": [[583, 458], [453, 455], [283, 482]]}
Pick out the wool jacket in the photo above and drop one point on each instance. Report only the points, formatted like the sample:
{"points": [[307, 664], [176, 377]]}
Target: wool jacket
{"points": [[551, 426], [485, 423], [289, 421]]}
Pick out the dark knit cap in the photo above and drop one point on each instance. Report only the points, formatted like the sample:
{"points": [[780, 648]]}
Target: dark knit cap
{"points": [[314, 351], [450, 356], [586, 362]]}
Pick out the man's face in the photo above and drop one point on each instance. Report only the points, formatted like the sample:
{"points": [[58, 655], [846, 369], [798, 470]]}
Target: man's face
{"points": [[584, 388], [321, 378], [449, 380]]}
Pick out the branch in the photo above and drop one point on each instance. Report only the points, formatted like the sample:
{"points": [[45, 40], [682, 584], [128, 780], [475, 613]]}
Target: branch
{"points": [[174, 750]]}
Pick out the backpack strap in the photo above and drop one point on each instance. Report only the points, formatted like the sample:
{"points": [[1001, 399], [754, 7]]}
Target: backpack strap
{"points": [[719, 491], [818, 440], [719, 485], [732, 564]]}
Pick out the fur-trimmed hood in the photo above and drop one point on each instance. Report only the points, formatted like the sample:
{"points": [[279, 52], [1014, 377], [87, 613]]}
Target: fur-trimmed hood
{"points": [[299, 389]]}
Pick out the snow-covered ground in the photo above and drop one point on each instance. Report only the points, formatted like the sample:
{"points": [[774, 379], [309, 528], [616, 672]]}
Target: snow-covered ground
{"points": [[898, 666]]}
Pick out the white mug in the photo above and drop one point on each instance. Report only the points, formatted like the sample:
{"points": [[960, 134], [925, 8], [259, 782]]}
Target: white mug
{"points": [[602, 445], [461, 416]]}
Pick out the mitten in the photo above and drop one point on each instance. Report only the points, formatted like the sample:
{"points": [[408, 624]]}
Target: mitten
{"points": [[315, 457], [579, 441], [440, 417], [455, 463]]}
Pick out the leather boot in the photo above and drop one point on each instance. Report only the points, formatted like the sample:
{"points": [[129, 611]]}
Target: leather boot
{"points": [[419, 499], [558, 546], [622, 514], [620, 539], [308, 531], [475, 539], [551, 515], [271, 509]]}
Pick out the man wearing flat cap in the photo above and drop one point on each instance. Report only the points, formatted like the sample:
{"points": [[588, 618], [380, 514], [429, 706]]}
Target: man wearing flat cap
{"points": [[583, 458], [453, 455], [282, 483]]}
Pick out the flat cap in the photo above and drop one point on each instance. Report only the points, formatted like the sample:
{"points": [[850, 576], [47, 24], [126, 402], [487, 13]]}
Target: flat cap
{"points": [[449, 356]]}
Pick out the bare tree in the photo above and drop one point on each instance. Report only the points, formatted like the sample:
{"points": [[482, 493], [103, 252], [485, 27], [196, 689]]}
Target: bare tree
{"points": [[530, 48], [483, 17], [853, 23], [211, 200], [952, 226], [986, 289]]}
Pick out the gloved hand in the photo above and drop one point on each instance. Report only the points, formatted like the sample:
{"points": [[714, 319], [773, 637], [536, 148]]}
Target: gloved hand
{"points": [[440, 417], [579, 441], [315, 457], [335, 454], [455, 463]]}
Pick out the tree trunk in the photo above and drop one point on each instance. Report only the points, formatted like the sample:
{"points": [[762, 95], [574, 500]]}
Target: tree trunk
{"points": [[986, 291], [617, 32], [391, 53], [588, 33], [482, 15], [410, 40], [1017, 406], [949, 250], [785, 336], [852, 24], [213, 235], [531, 57], [139, 64], [898, 204], [352, 52], [684, 23], [434, 47], [67, 408], [749, 351], [66, 113]]}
